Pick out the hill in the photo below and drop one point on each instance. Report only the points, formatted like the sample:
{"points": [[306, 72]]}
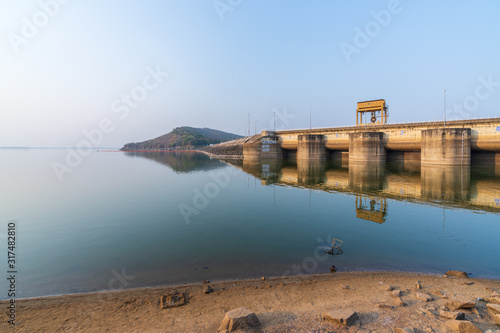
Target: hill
{"points": [[183, 138]]}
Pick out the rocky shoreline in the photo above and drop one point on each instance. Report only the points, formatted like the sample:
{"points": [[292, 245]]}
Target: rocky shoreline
{"points": [[333, 302], [222, 157]]}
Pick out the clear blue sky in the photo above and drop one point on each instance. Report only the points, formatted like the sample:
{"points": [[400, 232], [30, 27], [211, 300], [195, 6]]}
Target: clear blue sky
{"points": [[261, 57]]}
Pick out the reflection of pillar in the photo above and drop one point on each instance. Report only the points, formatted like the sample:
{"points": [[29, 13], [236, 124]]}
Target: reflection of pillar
{"points": [[268, 146], [311, 147], [252, 166], [311, 172], [440, 182], [366, 146], [366, 176], [448, 146], [268, 170]]}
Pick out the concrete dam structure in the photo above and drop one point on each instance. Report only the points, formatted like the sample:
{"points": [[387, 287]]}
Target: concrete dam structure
{"points": [[429, 143]]}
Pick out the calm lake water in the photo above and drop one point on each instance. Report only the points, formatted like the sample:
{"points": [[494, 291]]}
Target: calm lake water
{"points": [[125, 220]]}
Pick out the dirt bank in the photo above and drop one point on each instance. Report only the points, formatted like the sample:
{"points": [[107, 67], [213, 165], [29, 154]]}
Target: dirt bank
{"points": [[292, 304]]}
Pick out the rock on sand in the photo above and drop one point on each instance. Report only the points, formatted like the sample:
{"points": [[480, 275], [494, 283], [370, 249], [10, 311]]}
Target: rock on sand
{"points": [[345, 317], [462, 326], [457, 274], [460, 302], [238, 318]]}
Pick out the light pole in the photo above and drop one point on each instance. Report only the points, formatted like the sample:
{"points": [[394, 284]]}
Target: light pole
{"points": [[274, 121], [444, 111], [310, 120]]}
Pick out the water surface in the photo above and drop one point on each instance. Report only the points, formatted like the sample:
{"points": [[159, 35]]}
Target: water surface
{"points": [[123, 220]]}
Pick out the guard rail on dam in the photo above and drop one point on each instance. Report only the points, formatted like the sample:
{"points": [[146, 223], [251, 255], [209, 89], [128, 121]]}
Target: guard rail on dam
{"points": [[429, 142]]}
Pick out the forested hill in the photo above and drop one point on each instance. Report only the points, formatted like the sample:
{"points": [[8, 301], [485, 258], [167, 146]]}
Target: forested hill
{"points": [[183, 138]]}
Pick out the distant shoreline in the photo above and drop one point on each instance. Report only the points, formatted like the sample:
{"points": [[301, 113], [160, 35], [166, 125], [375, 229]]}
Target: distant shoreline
{"points": [[60, 148]]}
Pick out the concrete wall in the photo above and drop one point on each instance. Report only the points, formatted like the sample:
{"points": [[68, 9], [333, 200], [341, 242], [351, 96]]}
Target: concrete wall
{"points": [[366, 146], [311, 146]]}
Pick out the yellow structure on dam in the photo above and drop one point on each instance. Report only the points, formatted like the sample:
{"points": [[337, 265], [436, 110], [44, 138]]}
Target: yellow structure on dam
{"points": [[377, 110]]}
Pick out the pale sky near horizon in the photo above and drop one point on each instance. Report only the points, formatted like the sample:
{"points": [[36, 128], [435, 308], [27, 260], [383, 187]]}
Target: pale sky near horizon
{"points": [[72, 70]]}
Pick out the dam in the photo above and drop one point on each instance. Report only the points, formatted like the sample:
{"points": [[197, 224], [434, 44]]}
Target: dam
{"points": [[457, 142]]}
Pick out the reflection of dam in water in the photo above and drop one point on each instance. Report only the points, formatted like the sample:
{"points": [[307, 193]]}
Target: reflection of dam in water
{"points": [[476, 188]]}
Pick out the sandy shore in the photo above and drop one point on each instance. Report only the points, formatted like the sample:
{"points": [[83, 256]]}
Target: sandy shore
{"points": [[292, 304]]}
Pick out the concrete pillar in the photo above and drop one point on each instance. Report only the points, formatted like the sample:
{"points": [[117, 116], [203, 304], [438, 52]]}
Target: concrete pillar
{"points": [[266, 147], [312, 147], [366, 146], [446, 146]]}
